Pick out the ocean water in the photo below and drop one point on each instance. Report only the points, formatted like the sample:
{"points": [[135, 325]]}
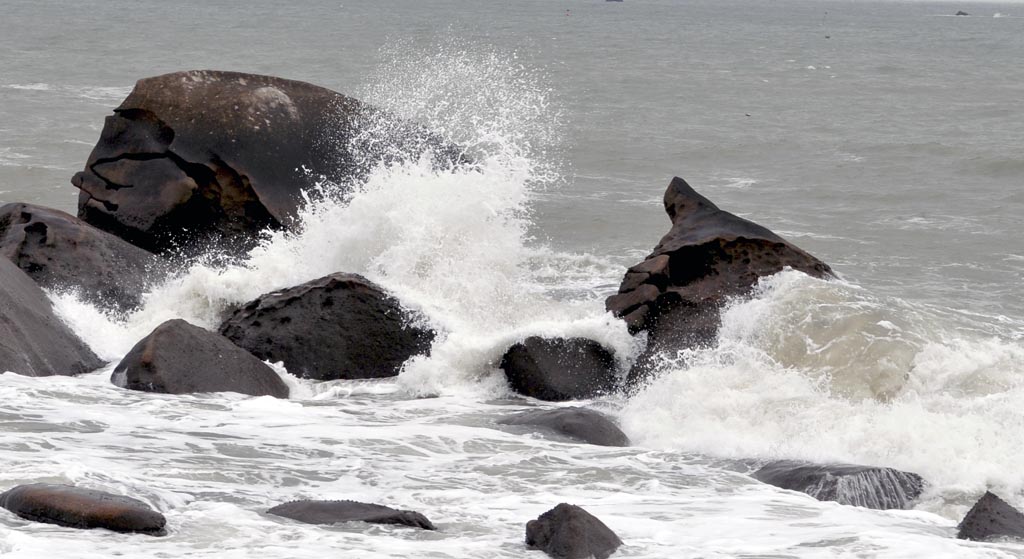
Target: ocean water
{"points": [[883, 137]]}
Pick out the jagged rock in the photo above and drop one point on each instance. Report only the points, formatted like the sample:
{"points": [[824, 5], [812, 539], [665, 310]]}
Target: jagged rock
{"points": [[581, 424], [61, 251], [559, 369], [962, 13], [199, 158], [333, 512], [569, 532], [33, 341], [340, 326], [707, 257], [179, 358], [75, 507], [861, 486], [991, 517]]}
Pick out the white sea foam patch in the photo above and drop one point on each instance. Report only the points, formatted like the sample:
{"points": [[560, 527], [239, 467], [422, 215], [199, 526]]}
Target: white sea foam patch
{"points": [[819, 371]]}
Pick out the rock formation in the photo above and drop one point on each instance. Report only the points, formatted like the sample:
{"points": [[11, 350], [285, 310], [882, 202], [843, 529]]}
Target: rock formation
{"points": [[333, 512], [861, 486], [991, 517], [559, 369], [76, 507], [580, 424], [569, 532]]}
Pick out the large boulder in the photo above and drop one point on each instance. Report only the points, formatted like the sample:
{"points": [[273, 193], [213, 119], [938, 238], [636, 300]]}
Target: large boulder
{"points": [[179, 358], [340, 326], [196, 158], [559, 369], [76, 507], [991, 517], [580, 424], [708, 256], [861, 486], [61, 251], [33, 341], [333, 512], [569, 532]]}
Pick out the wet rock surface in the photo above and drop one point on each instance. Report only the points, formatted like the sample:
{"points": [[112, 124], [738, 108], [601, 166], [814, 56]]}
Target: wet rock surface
{"points": [[559, 369], [60, 251], [180, 358], [580, 424], [708, 256], [569, 532], [76, 507], [991, 517], [341, 326], [847, 484], [33, 340], [333, 512]]}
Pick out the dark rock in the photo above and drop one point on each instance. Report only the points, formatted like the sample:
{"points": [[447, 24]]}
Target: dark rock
{"points": [[962, 13], [199, 158], [860, 486], [333, 512], [581, 424], [340, 326], [569, 532], [33, 341], [991, 517], [708, 256], [75, 507], [179, 358], [61, 251], [559, 369]]}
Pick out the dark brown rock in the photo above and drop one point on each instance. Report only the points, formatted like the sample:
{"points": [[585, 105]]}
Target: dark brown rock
{"points": [[333, 512], [340, 326], [558, 369], [569, 532], [75, 507], [847, 484], [707, 257], [991, 517], [580, 424], [60, 251], [179, 358], [200, 158], [33, 341]]}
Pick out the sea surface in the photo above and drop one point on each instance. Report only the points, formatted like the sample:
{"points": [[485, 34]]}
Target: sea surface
{"points": [[883, 137]]}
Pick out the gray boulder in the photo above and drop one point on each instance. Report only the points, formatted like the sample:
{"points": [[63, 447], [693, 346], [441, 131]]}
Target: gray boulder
{"points": [[33, 341], [179, 358], [569, 532], [991, 517], [559, 369], [580, 424], [341, 326], [76, 507], [860, 486], [333, 512]]}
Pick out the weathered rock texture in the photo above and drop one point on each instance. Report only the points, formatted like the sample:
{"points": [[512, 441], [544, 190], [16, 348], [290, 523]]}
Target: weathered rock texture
{"points": [[340, 326], [861, 486], [708, 256], [991, 517], [75, 507], [581, 424], [60, 251], [558, 369], [179, 358], [33, 341], [333, 512], [569, 532], [196, 158]]}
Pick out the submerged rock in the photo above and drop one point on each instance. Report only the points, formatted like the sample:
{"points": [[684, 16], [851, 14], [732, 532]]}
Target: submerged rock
{"points": [[707, 257], [581, 424], [558, 369], [333, 512], [991, 517], [569, 532], [962, 13], [76, 507], [860, 486], [179, 358], [341, 326], [33, 341], [61, 251], [208, 157]]}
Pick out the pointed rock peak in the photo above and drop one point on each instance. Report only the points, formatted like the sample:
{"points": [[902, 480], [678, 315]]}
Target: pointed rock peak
{"points": [[682, 201]]}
